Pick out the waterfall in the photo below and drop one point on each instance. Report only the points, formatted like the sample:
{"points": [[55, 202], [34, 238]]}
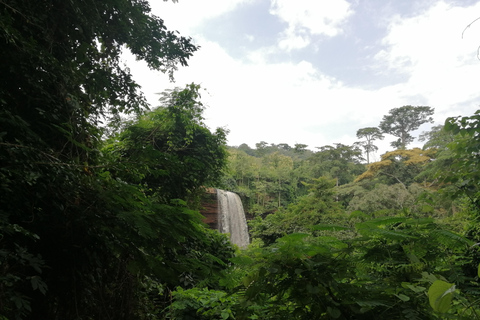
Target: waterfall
{"points": [[232, 218]]}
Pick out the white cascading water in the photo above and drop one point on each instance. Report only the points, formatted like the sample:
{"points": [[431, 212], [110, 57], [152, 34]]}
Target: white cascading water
{"points": [[232, 218]]}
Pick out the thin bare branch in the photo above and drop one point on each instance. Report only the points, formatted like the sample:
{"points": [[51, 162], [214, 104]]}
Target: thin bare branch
{"points": [[469, 25]]}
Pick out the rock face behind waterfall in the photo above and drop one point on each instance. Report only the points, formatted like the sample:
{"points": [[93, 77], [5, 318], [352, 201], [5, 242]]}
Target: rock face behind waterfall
{"points": [[231, 218], [210, 208]]}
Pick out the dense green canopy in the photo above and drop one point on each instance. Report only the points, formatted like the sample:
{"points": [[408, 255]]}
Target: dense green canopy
{"points": [[84, 233], [99, 215]]}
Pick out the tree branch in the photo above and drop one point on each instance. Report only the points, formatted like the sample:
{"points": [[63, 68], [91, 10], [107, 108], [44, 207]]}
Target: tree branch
{"points": [[391, 175]]}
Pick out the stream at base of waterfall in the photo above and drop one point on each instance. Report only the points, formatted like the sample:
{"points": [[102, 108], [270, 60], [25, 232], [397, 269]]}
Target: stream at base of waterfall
{"points": [[232, 218]]}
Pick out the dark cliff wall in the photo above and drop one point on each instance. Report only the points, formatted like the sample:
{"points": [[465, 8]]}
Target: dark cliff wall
{"points": [[210, 208]]}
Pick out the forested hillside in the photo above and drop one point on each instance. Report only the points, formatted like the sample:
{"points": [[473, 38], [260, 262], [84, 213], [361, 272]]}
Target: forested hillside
{"points": [[101, 193], [337, 238]]}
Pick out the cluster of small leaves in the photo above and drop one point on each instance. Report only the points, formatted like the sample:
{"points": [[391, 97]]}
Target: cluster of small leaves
{"points": [[202, 304]]}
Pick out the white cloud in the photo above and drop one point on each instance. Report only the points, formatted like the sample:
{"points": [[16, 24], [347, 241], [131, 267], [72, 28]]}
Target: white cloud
{"points": [[293, 40], [309, 17], [441, 66], [318, 17], [275, 102], [250, 37], [186, 15], [294, 102]]}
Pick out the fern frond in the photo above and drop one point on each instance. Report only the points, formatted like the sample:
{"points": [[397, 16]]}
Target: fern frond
{"points": [[385, 233], [331, 241], [449, 238], [420, 221]]}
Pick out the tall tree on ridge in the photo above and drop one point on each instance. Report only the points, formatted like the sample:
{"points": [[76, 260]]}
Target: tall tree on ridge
{"points": [[401, 121], [370, 134]]}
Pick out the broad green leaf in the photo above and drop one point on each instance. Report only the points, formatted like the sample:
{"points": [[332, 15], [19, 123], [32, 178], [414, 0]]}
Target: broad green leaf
{"points": [[440, 295]]}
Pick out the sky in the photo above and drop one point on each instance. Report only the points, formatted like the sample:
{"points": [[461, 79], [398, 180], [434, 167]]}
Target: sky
{"points": [[314, 72]]}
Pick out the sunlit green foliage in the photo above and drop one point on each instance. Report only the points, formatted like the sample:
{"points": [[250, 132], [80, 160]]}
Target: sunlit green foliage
{"points": [[270, 181], [169, 151], [399, 166], [319, 206], [340, 162]]}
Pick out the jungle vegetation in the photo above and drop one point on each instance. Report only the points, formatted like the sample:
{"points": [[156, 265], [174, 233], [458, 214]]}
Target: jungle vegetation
{"points": [[101, 193]]}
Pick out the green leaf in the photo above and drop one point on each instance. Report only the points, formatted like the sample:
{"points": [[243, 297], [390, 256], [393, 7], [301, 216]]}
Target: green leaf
{"points": [[37, 283], [334, 312], [329, 227], [440, 295], [403, 297], [381, 221], [293, 237], [416, 289], [449, 238]]}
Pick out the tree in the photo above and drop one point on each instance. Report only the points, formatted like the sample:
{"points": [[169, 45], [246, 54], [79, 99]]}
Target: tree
{"points": [[300, 147], [437, 137], [317, 206], [243, 167], [399, 166], [76, 243], [284, 146], [341, 162], [262, 148], [244, 147], [464, 160], [278, 168], [438, 140], [170, 150], [370, 134], [388, 198], [401, 121]]}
